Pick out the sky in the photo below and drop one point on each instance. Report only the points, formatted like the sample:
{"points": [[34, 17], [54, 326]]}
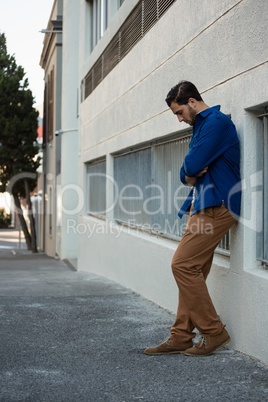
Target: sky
{"points": [[21, 21]]}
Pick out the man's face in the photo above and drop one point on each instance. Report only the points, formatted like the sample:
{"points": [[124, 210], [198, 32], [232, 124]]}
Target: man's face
{"points": [[184, 113]]}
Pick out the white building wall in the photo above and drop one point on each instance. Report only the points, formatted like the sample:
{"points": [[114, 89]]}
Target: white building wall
{"points": [[222, 48], [68, 193]]}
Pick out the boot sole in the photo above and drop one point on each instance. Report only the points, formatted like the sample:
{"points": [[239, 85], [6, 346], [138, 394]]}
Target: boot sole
{"points": [[207, 354], [164, 353]]}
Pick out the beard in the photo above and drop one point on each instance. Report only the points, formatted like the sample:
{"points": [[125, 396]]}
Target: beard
{"points": [[192, 114]]}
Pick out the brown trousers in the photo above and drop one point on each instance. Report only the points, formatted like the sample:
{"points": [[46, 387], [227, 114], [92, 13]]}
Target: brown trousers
{"points": [[191, 265]]}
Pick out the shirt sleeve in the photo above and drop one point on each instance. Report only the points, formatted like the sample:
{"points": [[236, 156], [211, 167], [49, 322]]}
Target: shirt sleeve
{"points": [[182, 175], [213, 140]]}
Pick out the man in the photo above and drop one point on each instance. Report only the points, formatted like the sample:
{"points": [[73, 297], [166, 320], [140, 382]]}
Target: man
{"points": [[211, 167]]}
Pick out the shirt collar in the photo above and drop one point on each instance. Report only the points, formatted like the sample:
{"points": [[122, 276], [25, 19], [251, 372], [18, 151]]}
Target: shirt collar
{"points": [[203, 114], [206, 112]]}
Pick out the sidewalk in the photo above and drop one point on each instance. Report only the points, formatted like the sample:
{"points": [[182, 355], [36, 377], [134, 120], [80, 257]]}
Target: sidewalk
{"points": [[12, 239], [73, 336]]}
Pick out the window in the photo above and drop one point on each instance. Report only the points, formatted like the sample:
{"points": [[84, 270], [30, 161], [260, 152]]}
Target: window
{"points": [[149, 191], [48, 128], [97, 20], [50, 209], [96, 188], [132, 174], [51, 104], [168, 193], [262, 237], [98, 15]]}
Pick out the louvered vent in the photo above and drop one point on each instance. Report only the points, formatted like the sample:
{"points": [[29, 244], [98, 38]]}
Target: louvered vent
{"points": [[150, 14], [139, 22], [111, 56], [131, 31]]}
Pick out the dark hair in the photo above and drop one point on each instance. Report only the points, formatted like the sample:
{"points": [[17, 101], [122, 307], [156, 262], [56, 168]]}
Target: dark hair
{"points": [[182, 92]]}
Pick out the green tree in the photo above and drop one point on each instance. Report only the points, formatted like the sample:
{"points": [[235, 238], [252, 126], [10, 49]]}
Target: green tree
{"points": [[18, 133]]}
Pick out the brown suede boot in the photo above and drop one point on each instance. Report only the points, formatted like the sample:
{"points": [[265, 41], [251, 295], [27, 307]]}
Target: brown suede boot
{"points": [[208, 344], [169, 346]]}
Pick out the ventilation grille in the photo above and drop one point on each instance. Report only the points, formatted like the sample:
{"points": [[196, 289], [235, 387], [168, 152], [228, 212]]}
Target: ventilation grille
{"points": [[138, 23]]}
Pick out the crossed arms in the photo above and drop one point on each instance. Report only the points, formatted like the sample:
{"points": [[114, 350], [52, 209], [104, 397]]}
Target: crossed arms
{"points": [[192, 180]]}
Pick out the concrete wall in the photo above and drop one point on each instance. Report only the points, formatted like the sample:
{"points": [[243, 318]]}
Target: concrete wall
{"points": [[222, 48], [67, 191]]}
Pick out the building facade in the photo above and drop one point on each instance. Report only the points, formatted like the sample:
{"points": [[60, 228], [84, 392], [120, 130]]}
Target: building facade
{"points": [[51, 62], [60, 145], [131, 147]]}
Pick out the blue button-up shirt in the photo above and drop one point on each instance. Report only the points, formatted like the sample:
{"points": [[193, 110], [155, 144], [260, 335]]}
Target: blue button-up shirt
{"points": [[214, 144]]}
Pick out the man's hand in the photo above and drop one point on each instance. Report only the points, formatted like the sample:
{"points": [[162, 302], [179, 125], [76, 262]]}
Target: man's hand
{"points": [[204, 171], [192, 180]]}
